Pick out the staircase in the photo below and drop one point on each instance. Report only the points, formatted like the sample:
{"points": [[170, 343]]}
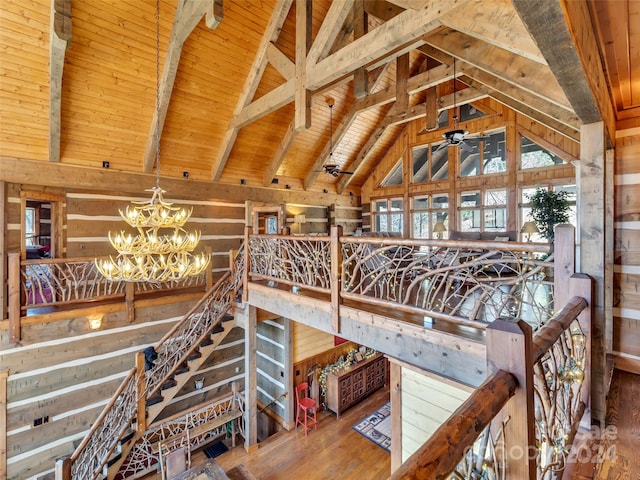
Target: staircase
{"points": [[147, 390]]}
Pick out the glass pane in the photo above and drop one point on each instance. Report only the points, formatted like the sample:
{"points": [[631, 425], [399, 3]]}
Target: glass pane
{"points": [[495, 219], [436, 219], [469, 162], [443, 118], [534, 156], [470, 220], [439, 162], [494, 157], [469, 112], [396, 204], [495, 197], [396, 222], [420, 203], [526, 194], [394, 177], [380, 206], [441, 201], [470, 199], [570, 189], [272, 225], [420, 164], [420, 225], [30, 226], [381, 223]]}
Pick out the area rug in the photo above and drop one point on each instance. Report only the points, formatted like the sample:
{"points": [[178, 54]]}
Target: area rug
{"points": [[216, 449], [377, 427]]}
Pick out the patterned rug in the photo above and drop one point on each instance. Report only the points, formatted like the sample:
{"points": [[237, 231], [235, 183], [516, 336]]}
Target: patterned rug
{"points": [[377, 426]]}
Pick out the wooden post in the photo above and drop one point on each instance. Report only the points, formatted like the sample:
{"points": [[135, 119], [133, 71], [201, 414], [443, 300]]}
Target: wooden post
{"points": [[247, 265], [289, 379], [14, 296], [209, 273], [3, 423], [336, 266], [509, 348], [129, 299], [141, 376], [251, 380], [581, 285], [62, 469], [396, 414], [3, 248], [564, 264], [234, 406]]}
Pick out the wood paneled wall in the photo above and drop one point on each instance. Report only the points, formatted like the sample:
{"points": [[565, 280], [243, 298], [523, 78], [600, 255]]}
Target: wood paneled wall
{"points": [[427, 401], [626, 321], [316, 219], [308, 341]]}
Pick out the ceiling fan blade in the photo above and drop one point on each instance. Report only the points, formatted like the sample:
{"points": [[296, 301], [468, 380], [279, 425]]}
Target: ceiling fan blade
{"points": [[464, 146], [442, 146], [346, 173]]}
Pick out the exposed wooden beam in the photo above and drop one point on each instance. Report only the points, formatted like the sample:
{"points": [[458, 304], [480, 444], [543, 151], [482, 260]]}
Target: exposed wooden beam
{"points": [[402, 75], [360, 28], [393, 38], [411, 4], [281, 62], [497, 23], [281, 152], [329, 30], [342, 129], [302, 111], [512, 68], [188, 15], [564, 32], [59, 40], [431, 109], [252, 81], [266, 104], [507, 90], [383, 10]]}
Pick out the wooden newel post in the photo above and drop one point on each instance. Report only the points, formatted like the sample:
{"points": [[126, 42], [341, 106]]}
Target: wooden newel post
{"points": [[564, 263], [336, 266], [141, 379], [510, 348], [13, 274], [63, 469], [247, 265]]}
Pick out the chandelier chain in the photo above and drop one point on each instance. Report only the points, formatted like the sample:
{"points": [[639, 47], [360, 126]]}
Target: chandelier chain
{"points": [[157, 135]]}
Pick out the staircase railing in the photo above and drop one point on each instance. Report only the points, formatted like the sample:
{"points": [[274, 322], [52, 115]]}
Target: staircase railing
{"points": [[91, 457]]}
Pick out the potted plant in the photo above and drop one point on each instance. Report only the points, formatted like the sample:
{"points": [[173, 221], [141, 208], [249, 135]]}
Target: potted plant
{"points": [[549, 208]]}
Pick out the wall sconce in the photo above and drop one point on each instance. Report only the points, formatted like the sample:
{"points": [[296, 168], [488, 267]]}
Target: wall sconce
{"points": [[199, 384], [439, 228], [95, 321], [529, 228]]}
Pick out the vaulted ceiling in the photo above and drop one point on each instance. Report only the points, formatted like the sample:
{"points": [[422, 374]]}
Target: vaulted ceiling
{"points": [[244, 84]]}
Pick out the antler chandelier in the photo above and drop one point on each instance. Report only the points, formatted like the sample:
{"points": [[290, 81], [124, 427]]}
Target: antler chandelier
{"points": [[151, 255]]}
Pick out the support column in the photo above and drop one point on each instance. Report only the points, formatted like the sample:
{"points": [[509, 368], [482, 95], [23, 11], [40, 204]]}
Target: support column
{"points": [[251, 380], [396, 414], [596, 251], [4, 374], [289, 414]]}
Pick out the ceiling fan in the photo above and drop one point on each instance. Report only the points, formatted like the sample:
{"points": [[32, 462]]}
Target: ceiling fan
{"points": [[456, 137], [332, 168]]}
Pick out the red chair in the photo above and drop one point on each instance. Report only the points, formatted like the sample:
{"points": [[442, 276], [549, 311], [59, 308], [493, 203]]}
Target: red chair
{"points": [[306, 408]]}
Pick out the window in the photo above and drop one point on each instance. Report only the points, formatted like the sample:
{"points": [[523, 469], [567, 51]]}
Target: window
{"points": [[483, 155], [426, 212], [30, 231], [430, 162], [469, 112], [534, 156], [387, 215], [525, 206], [394, 177], [483, 211]]}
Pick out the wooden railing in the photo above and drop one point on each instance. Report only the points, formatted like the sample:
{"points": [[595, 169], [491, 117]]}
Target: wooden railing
{"points": [[205, 423], [91, 457], [521, 421], [466, 282]]}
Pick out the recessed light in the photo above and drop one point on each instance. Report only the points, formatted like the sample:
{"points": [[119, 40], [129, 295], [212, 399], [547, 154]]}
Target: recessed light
{"points": [[274, 180], [243, 181], [105, 164], [185, 174]]}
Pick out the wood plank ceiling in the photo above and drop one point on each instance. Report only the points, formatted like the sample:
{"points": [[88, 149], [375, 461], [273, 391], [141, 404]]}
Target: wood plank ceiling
{"points": [[239, 103]]}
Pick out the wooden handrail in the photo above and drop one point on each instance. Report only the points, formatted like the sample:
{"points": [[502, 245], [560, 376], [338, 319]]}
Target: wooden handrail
{"points": [[551, 331], [442, 452], [103, 414]]}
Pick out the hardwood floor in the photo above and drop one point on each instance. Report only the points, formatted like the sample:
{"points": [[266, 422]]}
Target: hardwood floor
{"points": [[621, 451], [334, 450]]}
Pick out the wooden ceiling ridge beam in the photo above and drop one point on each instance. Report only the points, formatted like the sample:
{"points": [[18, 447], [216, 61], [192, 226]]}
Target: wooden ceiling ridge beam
{"points": [[280, 62], [329, 31], [399, 35], [522, 72], [60, 39], [188, 15], [271, 34], [302, 113], [340, 132], [564, 33]]}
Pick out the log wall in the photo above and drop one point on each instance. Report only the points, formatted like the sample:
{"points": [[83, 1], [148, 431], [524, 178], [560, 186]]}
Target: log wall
{"points": [[271, 365], [626, 312]]}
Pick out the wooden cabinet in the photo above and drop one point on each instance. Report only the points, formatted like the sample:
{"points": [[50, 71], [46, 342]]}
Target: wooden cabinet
{"points": [[347, 387]]}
